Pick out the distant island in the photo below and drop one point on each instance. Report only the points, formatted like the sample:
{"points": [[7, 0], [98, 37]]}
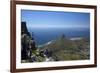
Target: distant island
{"points": [[62, 48]]}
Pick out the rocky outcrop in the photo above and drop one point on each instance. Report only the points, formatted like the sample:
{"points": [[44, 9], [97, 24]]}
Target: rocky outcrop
{"points": [[27, 43]]}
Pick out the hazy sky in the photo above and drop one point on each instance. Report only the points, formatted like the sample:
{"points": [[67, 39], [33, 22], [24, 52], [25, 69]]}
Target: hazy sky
{"points": [[53, 19]]}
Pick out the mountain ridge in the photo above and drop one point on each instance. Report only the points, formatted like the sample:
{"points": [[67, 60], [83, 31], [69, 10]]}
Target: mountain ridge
{"points": [[67, 49]]}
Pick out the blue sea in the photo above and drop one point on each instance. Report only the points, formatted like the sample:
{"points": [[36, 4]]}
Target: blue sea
{"points": [[45, 35]]}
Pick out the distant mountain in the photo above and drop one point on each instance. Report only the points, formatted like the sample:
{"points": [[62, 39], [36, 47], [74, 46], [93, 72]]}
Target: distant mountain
{"points": [[68, 49]]}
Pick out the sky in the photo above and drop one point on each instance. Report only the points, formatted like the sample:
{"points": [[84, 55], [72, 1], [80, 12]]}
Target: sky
{"points": [[55, 19]]}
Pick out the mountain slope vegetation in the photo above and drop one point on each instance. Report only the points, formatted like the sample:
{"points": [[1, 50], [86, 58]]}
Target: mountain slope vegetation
{"points": [[65, 49]]}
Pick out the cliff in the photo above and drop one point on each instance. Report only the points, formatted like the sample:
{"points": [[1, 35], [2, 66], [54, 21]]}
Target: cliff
{"points": [[27, 43], [24, 29]]}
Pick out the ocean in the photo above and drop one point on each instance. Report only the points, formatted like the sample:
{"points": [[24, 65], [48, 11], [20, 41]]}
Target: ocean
{"points": [[44, 35]]}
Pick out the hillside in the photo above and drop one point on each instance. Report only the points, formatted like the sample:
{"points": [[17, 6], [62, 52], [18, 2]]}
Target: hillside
{"points": [[66, 49]]}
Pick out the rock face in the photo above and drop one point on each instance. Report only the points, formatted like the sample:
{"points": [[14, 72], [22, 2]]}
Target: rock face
{"points": [[27, 43], [24, 29]]}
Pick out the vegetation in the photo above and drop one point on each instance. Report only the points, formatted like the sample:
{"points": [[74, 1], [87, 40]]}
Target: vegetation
{"points": [[60, 49], [66, 49]]}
